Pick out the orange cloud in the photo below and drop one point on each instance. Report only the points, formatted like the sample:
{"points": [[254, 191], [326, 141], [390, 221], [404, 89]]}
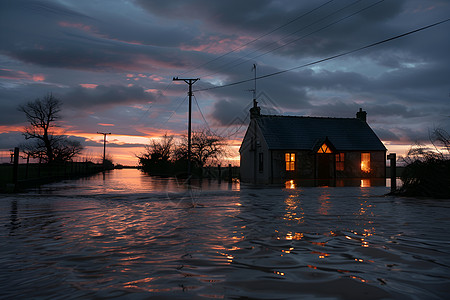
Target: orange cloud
{"points": [[216, 45], [89, 85], [156, 78], [12, 74], [105, 124], [38, 77], [5, 128], [76, 25]]}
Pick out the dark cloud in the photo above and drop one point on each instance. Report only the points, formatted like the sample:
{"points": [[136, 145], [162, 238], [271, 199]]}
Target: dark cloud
{"points": [[227, 113], [55, 36], [113, 67], [9, 140], [107, 96]]}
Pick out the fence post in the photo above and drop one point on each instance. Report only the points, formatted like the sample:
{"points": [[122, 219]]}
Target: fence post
{"points": [[16, 167], [28, 163], [393, 158]]}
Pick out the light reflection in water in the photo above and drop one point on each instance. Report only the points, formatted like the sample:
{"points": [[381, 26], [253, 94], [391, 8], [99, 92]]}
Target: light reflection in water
{"points": [[365, 182], [325, 203], [134, 181], [294, 211], [337, 182], [297, 242]]}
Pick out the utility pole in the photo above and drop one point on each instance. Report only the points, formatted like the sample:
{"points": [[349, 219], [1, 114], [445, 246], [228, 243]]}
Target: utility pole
{"points": [[104, 145], [190, 82]]}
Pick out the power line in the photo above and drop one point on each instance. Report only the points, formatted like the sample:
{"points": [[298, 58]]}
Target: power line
{"points": [[181, 103], [260, 37], [231, 65], [330, 57], [206, 122]]}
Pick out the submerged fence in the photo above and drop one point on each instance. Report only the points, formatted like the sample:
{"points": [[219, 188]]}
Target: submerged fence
{"points": [[18, 172]]}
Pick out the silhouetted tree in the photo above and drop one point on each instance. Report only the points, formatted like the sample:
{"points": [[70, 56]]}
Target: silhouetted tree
{"points": [[157, 155], [42, 115], [164, 157], [206, 147], [427, 170]]}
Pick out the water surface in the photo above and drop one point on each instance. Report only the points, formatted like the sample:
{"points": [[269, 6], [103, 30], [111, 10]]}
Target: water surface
{"points": [[127, 235]]}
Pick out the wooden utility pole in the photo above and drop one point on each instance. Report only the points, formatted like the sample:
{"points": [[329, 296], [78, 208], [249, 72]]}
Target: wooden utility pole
{"points": [[190, 82], [104, 145]]}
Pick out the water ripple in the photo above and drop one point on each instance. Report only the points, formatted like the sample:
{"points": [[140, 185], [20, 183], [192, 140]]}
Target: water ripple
{"points": [[317, 243]]}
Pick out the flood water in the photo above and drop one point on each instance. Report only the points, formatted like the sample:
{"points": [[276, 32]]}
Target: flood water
{"points": [[129, 236]]}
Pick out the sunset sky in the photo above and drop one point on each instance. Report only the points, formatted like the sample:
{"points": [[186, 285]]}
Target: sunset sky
{"points": [[111, 63]]}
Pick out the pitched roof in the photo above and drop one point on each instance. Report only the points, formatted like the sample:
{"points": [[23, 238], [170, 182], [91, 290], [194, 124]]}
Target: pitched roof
{"points": [[304, 133]]}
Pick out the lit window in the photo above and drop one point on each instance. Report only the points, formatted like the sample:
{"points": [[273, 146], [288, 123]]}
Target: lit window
{"points": [[324, 149], [365, 162], [290, 161], [340, 161]]}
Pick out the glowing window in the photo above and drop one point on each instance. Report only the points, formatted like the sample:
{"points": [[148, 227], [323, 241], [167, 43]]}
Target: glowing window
{"points": [[290, 161], [340, 157], [365, 162], [324, 149]]}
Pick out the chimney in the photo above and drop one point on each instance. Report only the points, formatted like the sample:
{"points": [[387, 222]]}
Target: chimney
{"points": [[255, 111], [362, 115]]}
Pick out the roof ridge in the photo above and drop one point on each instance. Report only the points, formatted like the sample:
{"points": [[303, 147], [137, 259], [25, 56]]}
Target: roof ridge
{"points": [[310, 117]]}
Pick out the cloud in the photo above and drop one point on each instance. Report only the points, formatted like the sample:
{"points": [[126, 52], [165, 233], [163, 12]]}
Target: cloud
{"points": [[9, 140], [115, 65], [12, 74], [107, 96]]}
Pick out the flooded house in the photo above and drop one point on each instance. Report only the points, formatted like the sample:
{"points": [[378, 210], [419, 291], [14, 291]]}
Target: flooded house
{"points": [[276, 148]]}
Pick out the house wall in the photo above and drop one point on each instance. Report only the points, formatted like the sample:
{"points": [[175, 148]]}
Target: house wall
{"points": [[252, 146], [378, 164], [352, 165], [247, 159], [306, 166]]}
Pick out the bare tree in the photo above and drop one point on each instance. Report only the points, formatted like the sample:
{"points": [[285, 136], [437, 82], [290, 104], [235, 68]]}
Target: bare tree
{"points": [[157, 155], [42, 115], [206, 147]]}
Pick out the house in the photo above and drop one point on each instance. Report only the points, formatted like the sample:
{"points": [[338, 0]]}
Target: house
{"points": [[276, 149]]}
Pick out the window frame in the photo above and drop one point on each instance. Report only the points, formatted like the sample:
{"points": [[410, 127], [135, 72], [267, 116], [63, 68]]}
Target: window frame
{"points": [[290, 160], [324, 149], [340, 161]]}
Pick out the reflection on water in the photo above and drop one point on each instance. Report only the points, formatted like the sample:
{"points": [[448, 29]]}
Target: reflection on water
{"points": [[74, 239], [133, 181], [337, 182]]}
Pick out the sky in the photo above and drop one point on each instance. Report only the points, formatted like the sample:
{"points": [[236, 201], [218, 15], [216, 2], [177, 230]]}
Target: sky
{"points": [[112, 64]]}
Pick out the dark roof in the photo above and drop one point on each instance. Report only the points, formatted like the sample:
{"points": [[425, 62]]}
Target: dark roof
{"points": [[304, 133]]}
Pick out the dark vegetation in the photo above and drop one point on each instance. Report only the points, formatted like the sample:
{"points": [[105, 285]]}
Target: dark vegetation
{"points": [[166, 158], [427, 171]]}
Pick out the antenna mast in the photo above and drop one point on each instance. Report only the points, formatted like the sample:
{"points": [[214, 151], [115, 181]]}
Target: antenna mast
{"points": [[254, 88]]}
